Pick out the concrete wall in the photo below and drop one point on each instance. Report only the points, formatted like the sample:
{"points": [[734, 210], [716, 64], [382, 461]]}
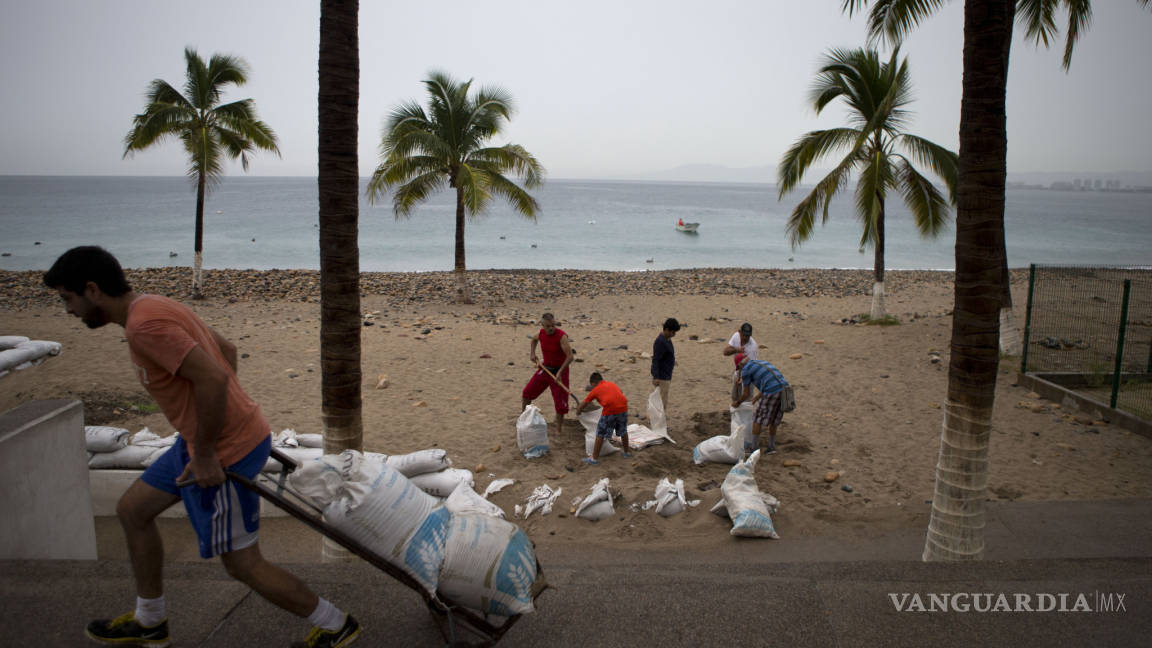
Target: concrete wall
{"points": [[45, 503]]}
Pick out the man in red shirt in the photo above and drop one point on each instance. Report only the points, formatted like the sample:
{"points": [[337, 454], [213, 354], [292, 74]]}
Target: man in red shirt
{"points": [[613, 416], [190, 371], [557, 352]]}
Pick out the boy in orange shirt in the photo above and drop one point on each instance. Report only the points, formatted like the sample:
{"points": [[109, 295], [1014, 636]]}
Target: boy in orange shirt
{"points": [[613, 418]]}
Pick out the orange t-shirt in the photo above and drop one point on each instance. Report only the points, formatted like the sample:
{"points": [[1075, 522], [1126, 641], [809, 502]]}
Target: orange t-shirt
{"points": [[610, 398], [161, 332]]}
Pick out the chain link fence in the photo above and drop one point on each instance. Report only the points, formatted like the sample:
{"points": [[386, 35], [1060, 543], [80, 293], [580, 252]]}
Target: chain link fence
{"points": [[1089, 329]]}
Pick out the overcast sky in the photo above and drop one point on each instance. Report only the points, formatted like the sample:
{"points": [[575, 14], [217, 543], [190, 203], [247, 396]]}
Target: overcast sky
{"points": [[605, 89]]}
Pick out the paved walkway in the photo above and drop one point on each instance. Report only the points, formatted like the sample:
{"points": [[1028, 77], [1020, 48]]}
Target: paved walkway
{"points": [[804, 591]]}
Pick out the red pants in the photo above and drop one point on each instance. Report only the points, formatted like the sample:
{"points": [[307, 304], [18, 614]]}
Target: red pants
{"points": [[541, 381]]}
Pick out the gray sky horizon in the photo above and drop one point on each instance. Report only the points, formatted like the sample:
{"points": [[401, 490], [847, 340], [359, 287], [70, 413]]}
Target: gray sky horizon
{"points": [[603, 90]]}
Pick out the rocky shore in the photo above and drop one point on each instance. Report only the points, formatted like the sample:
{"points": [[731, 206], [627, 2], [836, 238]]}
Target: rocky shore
{"points": [[20, 290]]}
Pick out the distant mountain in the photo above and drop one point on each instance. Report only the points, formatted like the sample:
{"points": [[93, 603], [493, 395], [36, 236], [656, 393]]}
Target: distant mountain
{"points": [[715, 173]]}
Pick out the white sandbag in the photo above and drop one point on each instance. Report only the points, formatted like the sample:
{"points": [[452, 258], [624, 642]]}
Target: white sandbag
{"points": [[719, 449], [598, 504], [497, 485], [590, 419], [466, 500], [728, 448], [420, 462], [721, 507], [299, 455], [489, 566], [28, 353], [310, 440], [285, 438], [541, 499], [102, 438], [749, 513], [670, 498], [11, 341], [532, 433], [129, 457], [377, 506], [441, 484], [741, 425]]}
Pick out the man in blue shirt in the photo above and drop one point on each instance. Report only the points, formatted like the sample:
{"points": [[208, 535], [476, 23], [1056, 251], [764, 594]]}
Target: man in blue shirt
{"points": [[664, 359], [770, 383]]}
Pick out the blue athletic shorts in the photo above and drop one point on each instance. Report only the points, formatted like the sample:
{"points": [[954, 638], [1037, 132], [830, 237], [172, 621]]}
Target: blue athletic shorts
{"points": [[617, 423], [225, 517]]}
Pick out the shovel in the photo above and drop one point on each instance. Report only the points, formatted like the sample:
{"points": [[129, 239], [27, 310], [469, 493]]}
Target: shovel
{"points": [[557, 381]]}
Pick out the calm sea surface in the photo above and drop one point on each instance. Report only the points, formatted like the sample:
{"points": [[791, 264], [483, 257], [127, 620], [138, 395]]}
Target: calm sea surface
{"points": [[266, 223]]}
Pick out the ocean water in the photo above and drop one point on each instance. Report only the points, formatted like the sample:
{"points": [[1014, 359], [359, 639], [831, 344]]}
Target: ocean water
{"points": [[271, 222]]}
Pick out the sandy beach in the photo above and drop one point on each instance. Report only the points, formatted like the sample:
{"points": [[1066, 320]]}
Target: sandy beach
{"points": [[868, 398]]}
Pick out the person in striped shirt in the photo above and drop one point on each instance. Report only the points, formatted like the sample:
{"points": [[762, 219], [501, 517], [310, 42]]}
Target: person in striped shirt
{"points": [[769, 383]]}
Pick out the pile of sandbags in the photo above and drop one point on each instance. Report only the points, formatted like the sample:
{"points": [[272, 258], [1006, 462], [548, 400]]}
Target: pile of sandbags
{"points": [[18, 352], [112, 448], [474, 559]]}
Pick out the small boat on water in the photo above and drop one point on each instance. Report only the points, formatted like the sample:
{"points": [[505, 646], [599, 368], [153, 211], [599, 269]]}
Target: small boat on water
{"points": [[689, 228]]}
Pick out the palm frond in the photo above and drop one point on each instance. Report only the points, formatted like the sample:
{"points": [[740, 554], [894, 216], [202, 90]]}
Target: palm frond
{"points": [[401, 169], [1079, 17], [871, 191], [474, 184], [1039, 19], [240, 116], [944, 163], [930, 209], [892, 20], [802, 221], [521, 200], [514, 158], [158, 122], [416, 191], [812, 147]]}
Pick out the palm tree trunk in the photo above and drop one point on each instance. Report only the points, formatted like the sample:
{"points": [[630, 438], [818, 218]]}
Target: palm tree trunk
{"points": [[956, 527], [878, 311], [339, 189], [463, 292], [198, 242], [1010, 343]]}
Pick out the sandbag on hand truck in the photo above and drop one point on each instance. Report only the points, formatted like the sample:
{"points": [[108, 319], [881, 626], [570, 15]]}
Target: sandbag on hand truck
{"points": [[474, 572]]}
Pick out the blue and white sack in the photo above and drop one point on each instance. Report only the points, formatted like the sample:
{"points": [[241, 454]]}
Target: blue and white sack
{"points": [[746, 507], [532, 433], [377, 506], [489, 565]]}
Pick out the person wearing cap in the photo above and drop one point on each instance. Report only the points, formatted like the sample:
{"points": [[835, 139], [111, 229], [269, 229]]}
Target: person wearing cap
{"points": [[613, 415], [664, 359], [769, 382], [742, 342]]}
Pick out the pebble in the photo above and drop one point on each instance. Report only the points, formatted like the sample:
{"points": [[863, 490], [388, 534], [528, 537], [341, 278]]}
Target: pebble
{"points": [[846, 488], [382, 382], [831, 476], [791, 463], [796, 356]]}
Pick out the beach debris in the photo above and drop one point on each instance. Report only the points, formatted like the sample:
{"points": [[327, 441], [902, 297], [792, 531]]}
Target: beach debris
{"points": [[420, 404], [495, 448], [497, 485], [831, 476], [846, 488], [796, 356], [791, 463], [485, 355], [382, 381], [541, 499], [597, 505]]}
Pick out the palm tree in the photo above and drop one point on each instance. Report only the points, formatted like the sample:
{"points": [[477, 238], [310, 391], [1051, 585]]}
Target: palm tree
{"points": [[339, 191], [421, 151], [877, 94], [208, 129], [956, 528]]}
